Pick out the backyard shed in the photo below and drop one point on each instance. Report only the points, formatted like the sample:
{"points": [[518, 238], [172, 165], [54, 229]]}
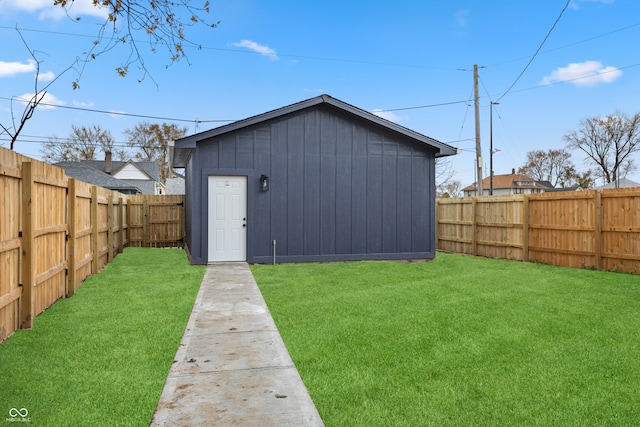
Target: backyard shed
{"points": [[320, 180]]}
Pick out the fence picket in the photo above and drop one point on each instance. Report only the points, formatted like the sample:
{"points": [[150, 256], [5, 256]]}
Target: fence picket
{"points": [[597, 229], [55, 231], [27, 303]]}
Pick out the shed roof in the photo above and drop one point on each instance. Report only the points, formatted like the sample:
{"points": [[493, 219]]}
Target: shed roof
{"points": [[184, 145]]}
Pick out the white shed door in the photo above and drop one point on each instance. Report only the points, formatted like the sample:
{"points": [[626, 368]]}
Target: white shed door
{"points": [[227, 218]]}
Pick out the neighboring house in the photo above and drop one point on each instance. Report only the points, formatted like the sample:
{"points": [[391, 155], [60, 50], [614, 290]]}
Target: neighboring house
{"points": [[175, 185], [143, 175], [320, 180], [621, 183], [574, 187], [513, 183], [86, 173]]}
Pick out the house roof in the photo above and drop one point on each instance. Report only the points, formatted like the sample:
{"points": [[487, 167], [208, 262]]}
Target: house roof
{"points": [[151, 169], [183, 146], [86, 173], [176, 185], [621, 183], [511, 180]]}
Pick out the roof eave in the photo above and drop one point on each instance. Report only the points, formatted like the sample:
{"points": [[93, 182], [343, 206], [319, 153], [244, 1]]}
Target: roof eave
{"points": [[190, 142]]}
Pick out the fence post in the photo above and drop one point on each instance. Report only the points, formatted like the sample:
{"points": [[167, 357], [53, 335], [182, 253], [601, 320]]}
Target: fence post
{"points": [[71, 243], [110, 228], [525, 228], [437, 224], [94, 229], [474, 237], [128, 220], [144, 223], [28, 223], [121, 224], [599, 217]]}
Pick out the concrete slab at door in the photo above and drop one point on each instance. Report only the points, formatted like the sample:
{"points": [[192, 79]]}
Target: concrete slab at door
{"points": [[227, 239]]}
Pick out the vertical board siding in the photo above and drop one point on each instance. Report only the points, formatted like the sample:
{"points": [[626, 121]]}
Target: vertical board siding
{"points": [[339, 189], [596, 229], [55, 231], [358, 191], [421, 220]]}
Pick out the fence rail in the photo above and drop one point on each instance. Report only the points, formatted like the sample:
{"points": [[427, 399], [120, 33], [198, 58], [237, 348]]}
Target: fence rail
{"points": [[597, 229], [55, 231]]}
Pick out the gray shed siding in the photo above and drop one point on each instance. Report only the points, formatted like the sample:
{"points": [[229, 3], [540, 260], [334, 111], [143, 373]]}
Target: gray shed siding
{"points": [[340, 189]]}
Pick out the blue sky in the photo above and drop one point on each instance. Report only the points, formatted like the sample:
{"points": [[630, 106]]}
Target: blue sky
{"points": [[389, 57]]}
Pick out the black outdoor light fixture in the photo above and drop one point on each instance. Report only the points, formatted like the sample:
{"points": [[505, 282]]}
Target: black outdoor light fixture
{"points": [[264, 183]]}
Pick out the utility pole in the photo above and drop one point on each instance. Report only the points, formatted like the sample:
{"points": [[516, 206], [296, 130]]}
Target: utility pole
{"points": [[478, 147]]}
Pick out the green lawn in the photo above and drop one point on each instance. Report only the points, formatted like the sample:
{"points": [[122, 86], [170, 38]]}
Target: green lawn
{"points": [[101, 357], [461, 341]]}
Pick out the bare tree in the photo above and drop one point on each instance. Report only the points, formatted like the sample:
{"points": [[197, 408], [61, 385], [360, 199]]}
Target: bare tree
{"points": [[609, 143], [160, 23], [554, 166], [84, 143], [444, 176], [149, 142], [16, 126], [452, 188]]}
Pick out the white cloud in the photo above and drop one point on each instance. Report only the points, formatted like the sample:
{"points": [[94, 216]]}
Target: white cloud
{"points": [[46, 77], [48, 102], [588, 73], [82, 104], [10, 69], [576, 3], [258, 48], [461, 17], [46, 9], [388, 115]]}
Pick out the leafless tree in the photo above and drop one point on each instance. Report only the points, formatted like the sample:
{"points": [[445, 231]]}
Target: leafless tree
{"points": [[149, 142], [554, 166], [84, 143], [609, 143], [29, 105], [446, 186], [160, 23]]}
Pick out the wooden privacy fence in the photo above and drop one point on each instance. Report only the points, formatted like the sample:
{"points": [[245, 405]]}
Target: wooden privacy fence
{"points": [[596, 229], [55, 231]]}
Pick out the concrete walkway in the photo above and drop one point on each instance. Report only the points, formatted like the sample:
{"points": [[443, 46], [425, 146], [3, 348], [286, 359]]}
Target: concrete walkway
{"points": [[232, 367]]}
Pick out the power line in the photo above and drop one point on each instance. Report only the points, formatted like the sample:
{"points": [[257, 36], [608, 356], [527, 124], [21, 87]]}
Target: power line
{"points": [[570, 44], [578, 78], [425, 106], [118, 113], [221, 49], [441, 104], [537, 51], [520, 90], [320, 58]]}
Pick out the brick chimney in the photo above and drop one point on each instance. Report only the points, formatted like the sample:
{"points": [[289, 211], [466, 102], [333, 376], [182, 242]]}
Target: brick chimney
{"points": [[107, 162]]}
